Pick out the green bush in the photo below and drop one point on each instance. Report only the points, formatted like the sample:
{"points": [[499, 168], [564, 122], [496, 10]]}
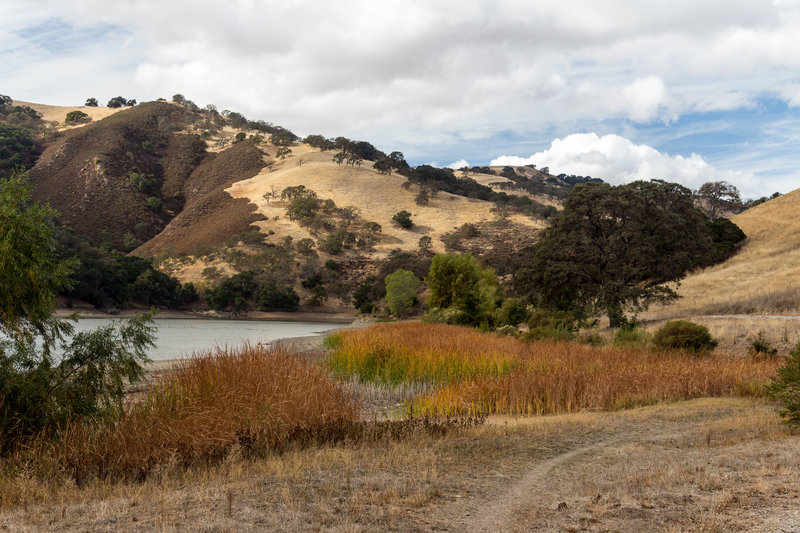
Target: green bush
{"points": [[630, 335], [785, 388], [155, 204], [234, 292], [553, 325], [684, 335], [403, 218]]}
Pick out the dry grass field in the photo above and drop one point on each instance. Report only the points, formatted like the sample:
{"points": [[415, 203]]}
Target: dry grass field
{"points": [[377, 196], [703, 465]]}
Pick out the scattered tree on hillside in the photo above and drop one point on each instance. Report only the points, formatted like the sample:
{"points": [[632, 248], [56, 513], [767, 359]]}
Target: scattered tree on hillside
{"points": [[117, 101], [384, 166], [91, 102], [283, 152], [613, 249], [76, 117], [717, 197], [403, 218]]}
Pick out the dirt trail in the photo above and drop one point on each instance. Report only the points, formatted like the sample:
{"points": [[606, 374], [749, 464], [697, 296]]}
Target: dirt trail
{"points": [[497, 513], [544, 497]]}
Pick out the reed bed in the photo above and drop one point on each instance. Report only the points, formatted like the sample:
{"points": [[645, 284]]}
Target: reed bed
{"points": [[421, 353], [542, 377], [251, 398]]}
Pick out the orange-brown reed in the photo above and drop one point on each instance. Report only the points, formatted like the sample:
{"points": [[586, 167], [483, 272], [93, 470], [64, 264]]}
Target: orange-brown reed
{"points": [[551, 377], [252, 397]]}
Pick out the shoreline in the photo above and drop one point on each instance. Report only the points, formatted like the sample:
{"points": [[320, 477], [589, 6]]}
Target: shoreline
{"points": [[300, 316]]}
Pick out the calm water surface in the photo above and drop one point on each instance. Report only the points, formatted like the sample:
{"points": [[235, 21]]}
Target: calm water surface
{"points": [[180, 337]]}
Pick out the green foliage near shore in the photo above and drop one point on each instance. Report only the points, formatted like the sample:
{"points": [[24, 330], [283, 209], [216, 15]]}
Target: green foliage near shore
{"points": [[40, 391]]}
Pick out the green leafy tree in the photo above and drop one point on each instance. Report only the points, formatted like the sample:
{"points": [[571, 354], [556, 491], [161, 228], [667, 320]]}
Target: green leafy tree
{"points": [[30, 276], [117, 101], [458, 281], [38, 391], [233, 293], [401, 291], [91, 102], [366, 295], [18, 148], [76, 117], [614, 249]]}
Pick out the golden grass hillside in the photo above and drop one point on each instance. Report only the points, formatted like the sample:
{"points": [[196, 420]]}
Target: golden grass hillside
{"points": [[377, 196], [57, 113], [760, 279]]}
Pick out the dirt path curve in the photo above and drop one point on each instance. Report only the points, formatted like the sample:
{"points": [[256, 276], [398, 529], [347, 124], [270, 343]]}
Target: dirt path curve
{"points": [[496, 514]]}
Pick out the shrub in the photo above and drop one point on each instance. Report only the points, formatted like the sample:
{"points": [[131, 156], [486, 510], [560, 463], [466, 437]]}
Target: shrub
{"points": [[155, 204], [554, 325], [631, 336], [403, 218], [89, 380], [511, 312], [761, 348], [684, 335], [785, 388]]}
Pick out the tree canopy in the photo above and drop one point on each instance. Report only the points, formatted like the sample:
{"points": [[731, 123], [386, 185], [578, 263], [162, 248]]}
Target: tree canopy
{"points": [[613, 249]]}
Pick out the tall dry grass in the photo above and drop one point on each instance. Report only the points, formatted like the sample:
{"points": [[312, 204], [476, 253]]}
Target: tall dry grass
{"points": [[421, 353], [537, 378], [253, 398]]}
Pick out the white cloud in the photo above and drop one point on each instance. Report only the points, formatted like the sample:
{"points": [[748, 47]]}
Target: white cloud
{"points": [[461, 163], [617, 160]]}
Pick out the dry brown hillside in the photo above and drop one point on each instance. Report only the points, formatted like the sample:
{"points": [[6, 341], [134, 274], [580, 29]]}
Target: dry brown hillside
{"points": [[210, 215], [377, 197], [761, 278]]}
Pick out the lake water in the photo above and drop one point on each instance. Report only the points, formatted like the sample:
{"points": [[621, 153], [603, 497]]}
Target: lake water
{"points": [[179, 337]]}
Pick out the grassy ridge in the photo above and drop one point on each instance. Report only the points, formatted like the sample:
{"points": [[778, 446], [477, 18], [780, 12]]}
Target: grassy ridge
{"points": [[482, 373]]}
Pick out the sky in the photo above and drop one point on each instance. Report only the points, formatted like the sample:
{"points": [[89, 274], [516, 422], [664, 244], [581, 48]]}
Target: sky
{"points": [[683, 91]]}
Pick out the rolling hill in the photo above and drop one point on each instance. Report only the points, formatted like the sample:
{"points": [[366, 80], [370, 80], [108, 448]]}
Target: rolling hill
{"points": [[761, 278], [199, 189]]}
